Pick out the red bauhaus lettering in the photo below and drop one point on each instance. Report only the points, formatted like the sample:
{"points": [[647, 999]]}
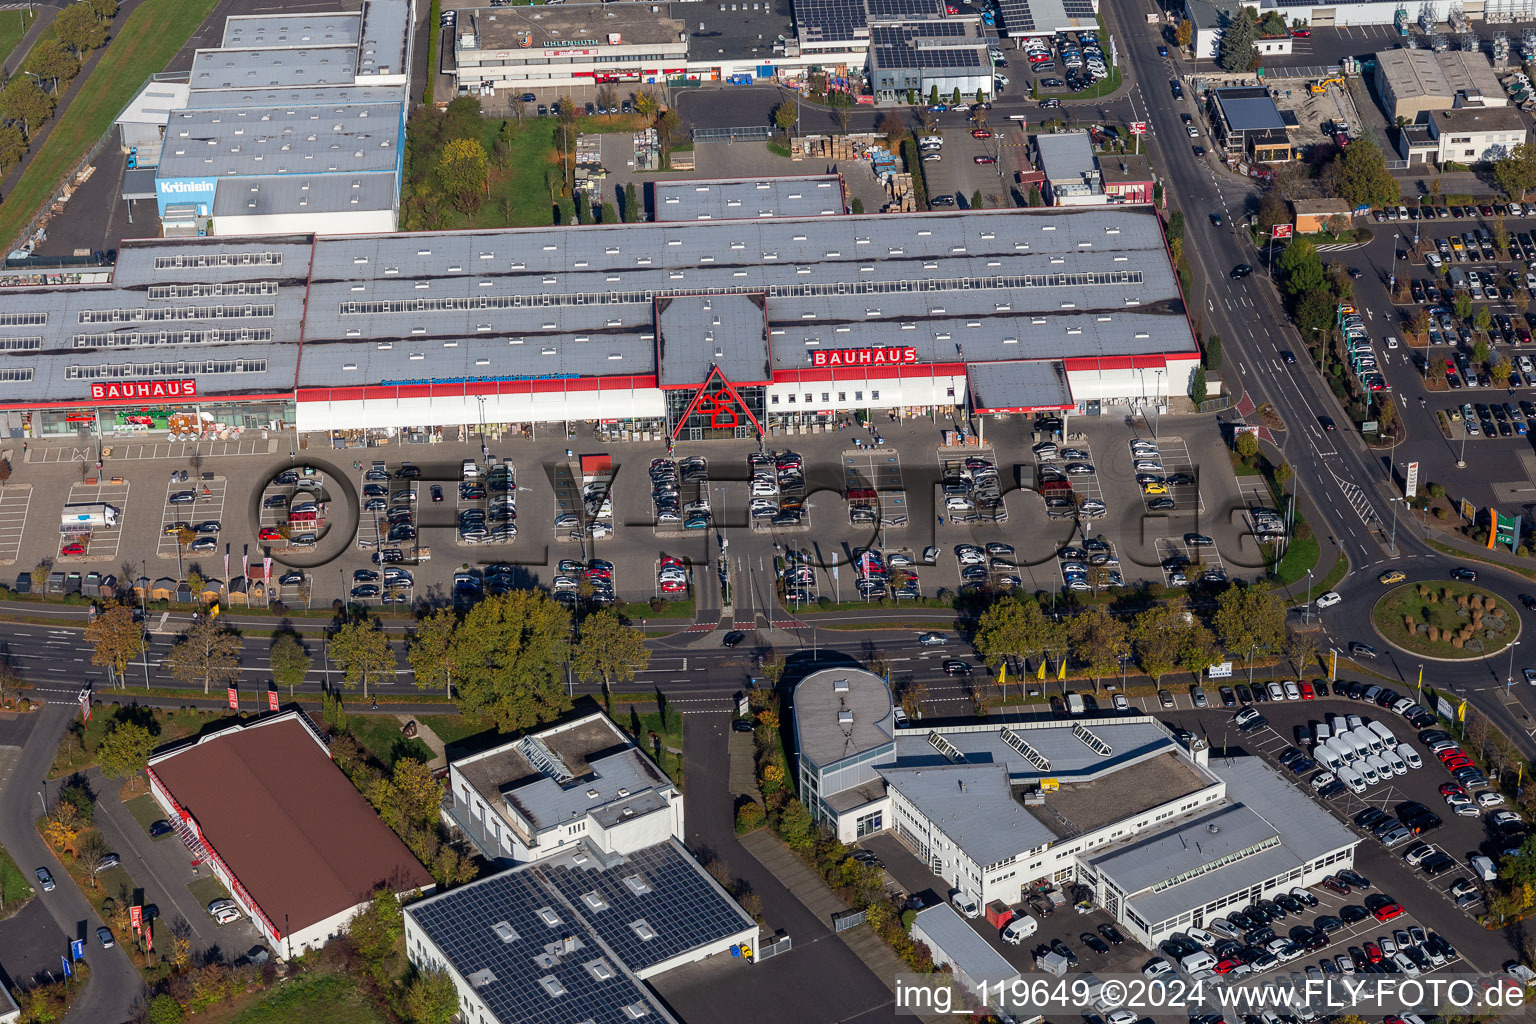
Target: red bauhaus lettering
{"points": [[132, 389], [864, 357]]}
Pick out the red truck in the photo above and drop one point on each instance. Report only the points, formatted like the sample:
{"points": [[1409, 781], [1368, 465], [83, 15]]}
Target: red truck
{"points": [[999, 914]]}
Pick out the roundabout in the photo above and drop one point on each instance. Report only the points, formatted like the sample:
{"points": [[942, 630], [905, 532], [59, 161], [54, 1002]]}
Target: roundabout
{"points": [[1445, 620]]}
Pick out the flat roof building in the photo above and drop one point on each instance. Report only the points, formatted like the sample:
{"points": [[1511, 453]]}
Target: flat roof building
{"points": [[1471, 135], [581, 780], [278, 823], [1249, 123], [1071, 172], [574, 936], [1001, 806], [317, 97], [824, 314], [1410, 83], [689, 199]]}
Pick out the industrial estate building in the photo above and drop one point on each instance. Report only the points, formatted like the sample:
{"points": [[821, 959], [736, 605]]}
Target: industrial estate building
{"points": [[696, 329], [1164, 837], [262, 804], [600, 894], [297, 122], [1250, 125], [1413, 82], [583, 780]]}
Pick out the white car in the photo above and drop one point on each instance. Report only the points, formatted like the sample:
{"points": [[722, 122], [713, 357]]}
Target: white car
{"points": [[1122, 1017], [1433, 259], [1488, 798], [1192, 131], [1292, 692], [1157, 968], [931, 639], [1322, 779], [1329, 599]]}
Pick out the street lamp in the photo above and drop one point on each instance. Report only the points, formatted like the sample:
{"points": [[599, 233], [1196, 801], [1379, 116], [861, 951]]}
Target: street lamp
{"points": [[1509, 678], [1392, 543], [1307, 613], [1392, 280]]}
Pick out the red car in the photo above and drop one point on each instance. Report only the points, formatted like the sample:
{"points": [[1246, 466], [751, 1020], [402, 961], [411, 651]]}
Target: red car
{"points": [[1226, 965], [1449, 752], [673, 587], [1307, 693], [671, 562], [1301, 33], [1373, 951], [980, 133], [270, 533], [1452, 788], [73, 549], [1387, 912], [985, 159], [1458, 762]]}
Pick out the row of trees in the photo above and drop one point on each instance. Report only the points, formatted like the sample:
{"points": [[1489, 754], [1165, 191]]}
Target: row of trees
{"points": [[25, 103], [1248, 622]]}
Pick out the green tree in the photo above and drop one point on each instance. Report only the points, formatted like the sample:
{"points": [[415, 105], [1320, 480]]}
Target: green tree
{"points": [[1100, 639], [79, 29], [125, 750], [583, 210], [1273, 24], [13, 145], [1272, 210], [52, 63], [428, 653], [856, 206], [1011, 628], [976, 203], [90, 850], [1315, 311], [1301, 269], [463, 173], [1250, 620], [1198, 649], [954, 100], [290, 661], [787, 114], [21, 100], [431, 998], [1197, 386], [1158, 634], [362, 652], [462, 119], [1516, 173], [106, 10], [1482, 321], [607, 649], [1360, 174], [1236, 52], [1462, 306], [409, 800], [1247, 445], [1499, 371], [511, 649], [114, 638], [164, 1009], [1480, 350], [376, 929], [933, 96], [206, 653], [632, 212]]}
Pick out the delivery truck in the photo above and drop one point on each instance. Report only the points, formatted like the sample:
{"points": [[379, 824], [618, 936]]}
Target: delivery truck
{"points": [[89, 516]]}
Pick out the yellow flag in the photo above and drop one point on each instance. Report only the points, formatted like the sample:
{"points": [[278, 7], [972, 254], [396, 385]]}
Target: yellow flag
{"points": [[1040, 675], [1061, 673], [1461, 711], [1002, 674]]}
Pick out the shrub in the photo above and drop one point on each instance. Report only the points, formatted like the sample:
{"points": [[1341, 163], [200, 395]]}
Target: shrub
{"points": [[1408, 625], [1434, 634], [749, 816]]}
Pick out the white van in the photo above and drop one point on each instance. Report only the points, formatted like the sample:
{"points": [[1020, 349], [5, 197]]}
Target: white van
{"points": [[1388, 741], [1394, 762], [1337, 724], [1367, 739], [1201, 961], [1379, 764], [1019, 929], [471, 471], [1323, 733], [1351, 779], [1483, 868], [966, 904], [1325, 756], [1367, 772]]}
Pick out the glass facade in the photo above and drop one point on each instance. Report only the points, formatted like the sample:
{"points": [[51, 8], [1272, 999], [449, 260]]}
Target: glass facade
{"points": [[716, 413], [190, 418]]}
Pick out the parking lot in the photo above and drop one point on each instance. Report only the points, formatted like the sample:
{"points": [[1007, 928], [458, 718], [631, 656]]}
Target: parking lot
{"points": [[104, 541], [968, 165], [206, 506], [15, 500], [872, 480]]}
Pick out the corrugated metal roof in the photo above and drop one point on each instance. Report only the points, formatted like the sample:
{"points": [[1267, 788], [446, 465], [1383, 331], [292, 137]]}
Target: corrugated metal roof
{"points": [[304, 193], [1017, 385], [256, 69], [945, 929], [274, 140], [330, 28], [811, 195]]}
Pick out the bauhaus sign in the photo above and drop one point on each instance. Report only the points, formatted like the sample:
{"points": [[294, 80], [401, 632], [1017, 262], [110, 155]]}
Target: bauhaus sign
{"points": [[144, 389], [864, 357]]}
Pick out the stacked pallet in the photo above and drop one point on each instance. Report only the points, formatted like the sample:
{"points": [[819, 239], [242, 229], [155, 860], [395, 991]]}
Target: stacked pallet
{"points": [[899, 188], [589, 149]]}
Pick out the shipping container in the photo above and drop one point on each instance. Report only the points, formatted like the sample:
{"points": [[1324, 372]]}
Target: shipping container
{"points": [[999, 914]]}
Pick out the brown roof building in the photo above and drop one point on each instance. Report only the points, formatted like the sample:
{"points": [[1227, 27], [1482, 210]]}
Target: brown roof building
{"points": [[265, 807]]}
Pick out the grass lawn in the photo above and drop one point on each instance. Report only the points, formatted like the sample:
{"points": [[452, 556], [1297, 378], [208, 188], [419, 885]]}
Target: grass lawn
{"points": [[1395, 604], [380, 735], [171, 725], [331, 998], [1300, 558], [453, 729], [640, 725], [207, 889], [637, 610], [15, 886], [148, 40], [145, 811], [13, 25], [1336, 574]]}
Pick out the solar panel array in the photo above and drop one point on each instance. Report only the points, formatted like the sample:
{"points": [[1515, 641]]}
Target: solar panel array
{"points": [[946, 748], [826, 20], [1018, 19], [895, 46], [682, 909], [512, 977], [1091, 741], [1028, 752], [904, 10], [1078, 9]]}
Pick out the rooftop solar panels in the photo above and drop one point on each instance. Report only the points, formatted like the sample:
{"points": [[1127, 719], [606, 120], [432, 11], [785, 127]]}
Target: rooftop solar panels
{"points": [[1017, 17], [1078, 8], [1091, 741], [1028, 752], [826, 20], [946, 748]]}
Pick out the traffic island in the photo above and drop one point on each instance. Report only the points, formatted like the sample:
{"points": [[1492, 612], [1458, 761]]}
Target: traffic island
{"points": [[1445, 620]]}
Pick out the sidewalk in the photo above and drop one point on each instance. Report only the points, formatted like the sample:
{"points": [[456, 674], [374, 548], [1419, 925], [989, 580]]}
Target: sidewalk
{"points": [[823, 902]]}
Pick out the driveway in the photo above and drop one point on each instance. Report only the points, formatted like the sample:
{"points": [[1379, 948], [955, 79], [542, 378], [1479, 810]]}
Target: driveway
{"points": [[163, 867], [115, 987]]}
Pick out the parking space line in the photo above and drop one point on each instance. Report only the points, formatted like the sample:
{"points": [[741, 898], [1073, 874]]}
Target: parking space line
{"points": [[15, 500], [105, 538], [208, 505]]}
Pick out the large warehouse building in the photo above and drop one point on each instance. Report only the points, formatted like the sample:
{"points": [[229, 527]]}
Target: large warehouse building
{"points": [[297, 122], [1164, 838], [703, 329], [265, 808]]}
